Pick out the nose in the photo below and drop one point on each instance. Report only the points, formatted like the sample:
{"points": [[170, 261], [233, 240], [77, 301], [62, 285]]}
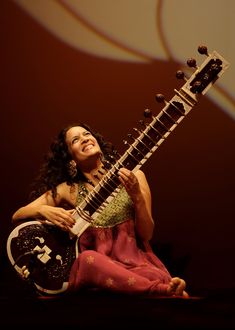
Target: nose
{"points": [[84, 140]]}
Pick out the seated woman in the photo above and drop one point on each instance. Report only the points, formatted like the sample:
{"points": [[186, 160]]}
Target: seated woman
{"points": [[115, 253]]}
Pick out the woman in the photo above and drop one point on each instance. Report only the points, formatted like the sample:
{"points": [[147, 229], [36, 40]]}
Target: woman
{"points": [[115, 254]]}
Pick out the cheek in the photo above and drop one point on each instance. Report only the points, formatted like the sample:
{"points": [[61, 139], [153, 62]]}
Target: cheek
{"points": [[97, 145], [99, 150]]}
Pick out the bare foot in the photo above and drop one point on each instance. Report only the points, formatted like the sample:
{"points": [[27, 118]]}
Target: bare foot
{"points": [[177, 288]]}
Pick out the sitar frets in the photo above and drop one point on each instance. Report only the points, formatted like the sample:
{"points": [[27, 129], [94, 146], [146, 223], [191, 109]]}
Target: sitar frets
{"points": [[140, 150], [153, 135]]}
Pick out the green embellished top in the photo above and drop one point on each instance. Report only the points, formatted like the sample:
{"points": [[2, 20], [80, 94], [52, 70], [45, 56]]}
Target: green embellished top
{"points": [[119, 209]]}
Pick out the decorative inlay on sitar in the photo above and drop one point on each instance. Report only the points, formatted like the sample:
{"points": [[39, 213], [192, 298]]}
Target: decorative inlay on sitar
{"points": [[47, 251]]}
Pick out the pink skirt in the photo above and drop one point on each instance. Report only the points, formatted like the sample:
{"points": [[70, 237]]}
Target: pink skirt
{"points": [[111, 259]]}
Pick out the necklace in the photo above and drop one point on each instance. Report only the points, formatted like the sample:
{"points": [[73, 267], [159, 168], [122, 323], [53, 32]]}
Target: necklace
{"points": [[97, 176]]}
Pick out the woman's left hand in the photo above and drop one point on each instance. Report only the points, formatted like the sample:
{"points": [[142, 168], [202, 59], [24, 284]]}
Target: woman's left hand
{"points": [[130, 182], [138, 189]]}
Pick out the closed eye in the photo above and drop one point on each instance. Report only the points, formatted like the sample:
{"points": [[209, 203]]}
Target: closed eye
{"points": [[74, 140], [86, 133]]}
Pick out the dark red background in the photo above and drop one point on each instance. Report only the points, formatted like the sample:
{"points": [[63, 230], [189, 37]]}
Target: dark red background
{"points": [[46, 85]]}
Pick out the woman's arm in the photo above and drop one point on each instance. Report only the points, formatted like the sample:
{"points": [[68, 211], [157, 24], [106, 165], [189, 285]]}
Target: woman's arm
{"points": [[139, 191], [46, 207]]}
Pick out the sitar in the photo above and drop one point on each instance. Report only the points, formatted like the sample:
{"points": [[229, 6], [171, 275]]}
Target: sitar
{"points": [[47, 251]]}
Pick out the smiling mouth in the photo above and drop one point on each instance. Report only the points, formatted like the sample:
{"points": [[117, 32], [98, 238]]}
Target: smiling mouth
{"points": [[88, 147]]}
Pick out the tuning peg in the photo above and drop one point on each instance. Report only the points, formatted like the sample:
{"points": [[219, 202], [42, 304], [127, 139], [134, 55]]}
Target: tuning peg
{"points": [[148, 113], [203, 50], [130, 136], [126, 142], [180, 75], [191, 62], [137, 130], [160, 98]]}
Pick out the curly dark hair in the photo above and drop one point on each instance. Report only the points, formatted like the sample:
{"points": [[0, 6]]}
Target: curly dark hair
{"points": [[54, 170]]}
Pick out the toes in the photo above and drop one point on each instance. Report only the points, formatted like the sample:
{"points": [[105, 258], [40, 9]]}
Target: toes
{"points": [[180, 288], [176, 287], [185, 294]]}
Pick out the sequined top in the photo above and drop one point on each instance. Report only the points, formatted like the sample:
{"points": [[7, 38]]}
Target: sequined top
{"points": [[119, 209]]}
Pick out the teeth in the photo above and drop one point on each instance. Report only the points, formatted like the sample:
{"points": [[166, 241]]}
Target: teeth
{"points": [[88, 147]]}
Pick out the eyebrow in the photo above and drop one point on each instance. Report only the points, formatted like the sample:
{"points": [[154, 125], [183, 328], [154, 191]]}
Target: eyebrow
{"points": [[79, 134]]}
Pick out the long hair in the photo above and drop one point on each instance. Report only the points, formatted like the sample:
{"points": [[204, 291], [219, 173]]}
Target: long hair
{"points": [[55, 168]]}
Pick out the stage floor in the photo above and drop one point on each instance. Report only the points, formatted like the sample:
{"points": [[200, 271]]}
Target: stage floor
{"points": [[20, 308], [109, 311]]}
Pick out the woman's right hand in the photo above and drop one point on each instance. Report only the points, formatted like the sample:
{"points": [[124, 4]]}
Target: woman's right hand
{"points": [[24, 272], [58, 216]]}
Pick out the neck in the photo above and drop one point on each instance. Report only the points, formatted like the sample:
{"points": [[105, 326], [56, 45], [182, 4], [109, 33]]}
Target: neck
{"points": [[93, 172]]}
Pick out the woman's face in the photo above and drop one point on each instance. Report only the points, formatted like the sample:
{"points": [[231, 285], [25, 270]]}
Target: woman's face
{"points": [[81, 144]]}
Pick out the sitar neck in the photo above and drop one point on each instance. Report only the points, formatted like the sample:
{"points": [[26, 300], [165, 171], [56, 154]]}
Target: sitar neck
{"points": [[153, 133]]}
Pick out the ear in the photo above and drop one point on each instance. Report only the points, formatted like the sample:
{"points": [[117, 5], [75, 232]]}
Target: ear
{"points": [[72, 168]]}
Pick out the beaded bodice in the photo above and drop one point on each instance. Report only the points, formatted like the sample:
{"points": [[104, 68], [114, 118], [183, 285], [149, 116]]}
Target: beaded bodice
{"points": [[117, 211]]}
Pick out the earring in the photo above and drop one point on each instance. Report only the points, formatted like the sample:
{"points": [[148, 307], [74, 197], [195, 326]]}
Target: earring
{"points": [[72, 169]]}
